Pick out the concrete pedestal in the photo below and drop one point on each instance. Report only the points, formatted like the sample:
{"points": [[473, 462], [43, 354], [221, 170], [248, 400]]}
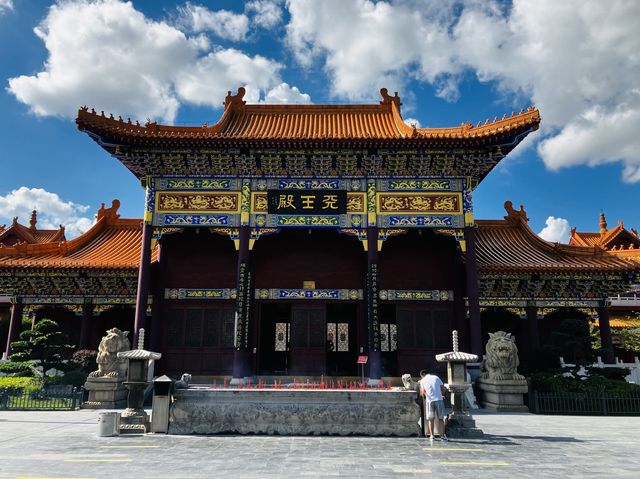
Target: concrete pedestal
{"points": [[506, 395], [294, 412], [105, 393]]}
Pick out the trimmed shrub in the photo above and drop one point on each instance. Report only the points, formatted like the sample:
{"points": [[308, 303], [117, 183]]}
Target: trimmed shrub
{"points": [[75, 378], [546, 382], [14, 386], [617, 374], [18, 369]]}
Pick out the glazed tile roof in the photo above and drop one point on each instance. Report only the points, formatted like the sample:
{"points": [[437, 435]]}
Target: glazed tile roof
{"points": [[305, 122], [17, 233], [624, 321], [112, 243], [618, 241], [510, 245]]}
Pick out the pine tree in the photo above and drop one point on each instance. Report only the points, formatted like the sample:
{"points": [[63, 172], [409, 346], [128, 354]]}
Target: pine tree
{"points": [[44, 343]]}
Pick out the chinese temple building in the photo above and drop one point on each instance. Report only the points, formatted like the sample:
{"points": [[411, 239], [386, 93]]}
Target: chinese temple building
{"points": [[291, 239]]}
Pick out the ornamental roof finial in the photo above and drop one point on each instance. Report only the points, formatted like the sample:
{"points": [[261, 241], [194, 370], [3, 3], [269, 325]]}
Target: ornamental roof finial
{"points": [[33, 221], [603, 223], [386, 98], [513, 214], [235, 100]]}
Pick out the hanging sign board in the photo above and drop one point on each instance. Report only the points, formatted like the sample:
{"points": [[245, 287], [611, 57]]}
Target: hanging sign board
{"points": [[307, 202]]}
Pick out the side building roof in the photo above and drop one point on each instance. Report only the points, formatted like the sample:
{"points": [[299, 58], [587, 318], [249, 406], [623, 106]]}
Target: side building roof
{"points": [[619, 240], [112, 243], [509, 245], [17, 233]]}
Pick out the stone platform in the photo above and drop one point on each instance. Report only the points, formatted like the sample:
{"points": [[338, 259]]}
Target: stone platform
{"points": [[295, 412]]}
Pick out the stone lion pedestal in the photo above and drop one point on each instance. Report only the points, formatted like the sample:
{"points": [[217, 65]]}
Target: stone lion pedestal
{"points": [[503, 395], [105, 393], [106, 385], [500, 386]]}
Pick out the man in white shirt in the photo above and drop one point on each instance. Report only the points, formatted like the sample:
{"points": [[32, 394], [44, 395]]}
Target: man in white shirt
{"points": [[432, 391]]}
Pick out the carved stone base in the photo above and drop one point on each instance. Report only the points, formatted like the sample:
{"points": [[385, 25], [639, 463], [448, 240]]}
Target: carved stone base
{"points": [[105, 393], [503, 395], [134, 421], [461, 425], [294, 412]]}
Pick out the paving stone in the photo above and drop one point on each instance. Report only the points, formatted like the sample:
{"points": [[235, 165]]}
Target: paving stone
{"points": [[48, 444]]}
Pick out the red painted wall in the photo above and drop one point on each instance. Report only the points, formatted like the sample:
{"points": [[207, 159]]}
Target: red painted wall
{"points": [[331, 259]]}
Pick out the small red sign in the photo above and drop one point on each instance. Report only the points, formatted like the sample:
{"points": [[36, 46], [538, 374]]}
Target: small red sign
{"points": [[362, 359]]}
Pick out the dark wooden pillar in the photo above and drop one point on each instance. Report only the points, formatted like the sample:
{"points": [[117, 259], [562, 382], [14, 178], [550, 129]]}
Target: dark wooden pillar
{"points": [[14, 323], [605, 335], [85, 327], [475, 328], [532, 328], [373, 321], [242, 354], [143, 282]]}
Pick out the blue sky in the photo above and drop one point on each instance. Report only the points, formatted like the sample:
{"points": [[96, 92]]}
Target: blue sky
{"points": [[451, 61]]}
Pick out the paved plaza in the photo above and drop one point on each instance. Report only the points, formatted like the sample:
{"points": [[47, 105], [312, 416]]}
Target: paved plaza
{"points": [[67, 445]]}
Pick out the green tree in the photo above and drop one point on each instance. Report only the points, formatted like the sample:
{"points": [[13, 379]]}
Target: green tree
{"points": [[573, 339], [44, 343], [629, 339]]}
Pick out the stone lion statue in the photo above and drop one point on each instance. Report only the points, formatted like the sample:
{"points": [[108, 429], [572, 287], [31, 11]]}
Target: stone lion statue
{"points": [[108, 363], [502, 358]]}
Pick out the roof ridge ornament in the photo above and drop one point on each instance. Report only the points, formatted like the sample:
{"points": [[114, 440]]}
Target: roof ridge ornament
{"points": [[603, 224], [235, 100], [33, 221], [109, 213], [515, 215], [388, 99]]}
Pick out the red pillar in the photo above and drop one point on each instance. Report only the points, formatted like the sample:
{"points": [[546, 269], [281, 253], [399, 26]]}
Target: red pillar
{"points": [[143, 282], [85, 327], [373, 322], [475, 328], [605, 335], [241, 354], [14, 324]]}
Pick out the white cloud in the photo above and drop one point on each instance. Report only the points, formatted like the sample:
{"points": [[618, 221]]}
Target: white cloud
{"points": [[52, 210], [265, 13], [5, 5], [107, 55], [223, 23], [209, 79], [283, 93], [577, 61], [556, 230], [412, 121]]}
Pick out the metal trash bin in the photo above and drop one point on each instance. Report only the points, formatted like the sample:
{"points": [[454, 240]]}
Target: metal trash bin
{"points": [[162, 390], [108, 424]]}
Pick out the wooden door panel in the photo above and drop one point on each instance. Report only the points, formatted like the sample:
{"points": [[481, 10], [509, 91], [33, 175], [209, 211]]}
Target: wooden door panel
{"points": [[308, 339]]}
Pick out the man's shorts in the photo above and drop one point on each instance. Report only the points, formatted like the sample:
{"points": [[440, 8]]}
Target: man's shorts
{"points": [[435, 409]]}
